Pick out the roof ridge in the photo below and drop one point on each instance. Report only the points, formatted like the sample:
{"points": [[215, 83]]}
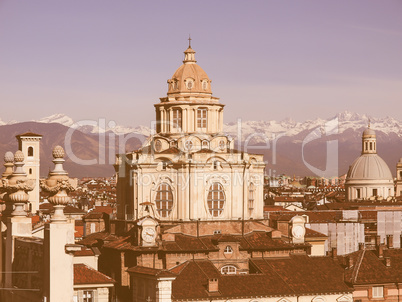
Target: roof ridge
{"points": [[357, 268]]}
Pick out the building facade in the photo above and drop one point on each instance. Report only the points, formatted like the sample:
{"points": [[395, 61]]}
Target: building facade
{"points": [[189, 169]]}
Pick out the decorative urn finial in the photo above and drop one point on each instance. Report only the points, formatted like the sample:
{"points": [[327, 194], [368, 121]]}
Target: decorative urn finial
{"points": [[58, 185], [16, 185]]}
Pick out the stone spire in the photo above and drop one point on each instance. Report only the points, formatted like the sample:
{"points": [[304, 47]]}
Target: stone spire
{"points": [[17, 185], [58, 185]]}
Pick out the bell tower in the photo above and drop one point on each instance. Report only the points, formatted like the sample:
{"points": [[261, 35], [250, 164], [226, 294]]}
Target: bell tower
{"points": [[29, 144]]}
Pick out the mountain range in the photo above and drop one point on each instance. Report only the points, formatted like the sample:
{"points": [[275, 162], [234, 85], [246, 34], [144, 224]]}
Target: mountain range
{"points": [[290, 147]]}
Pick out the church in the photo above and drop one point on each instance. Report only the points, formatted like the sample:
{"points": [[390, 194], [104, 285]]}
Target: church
{"points": [[190, 222], [189, 169], [369, 177]]}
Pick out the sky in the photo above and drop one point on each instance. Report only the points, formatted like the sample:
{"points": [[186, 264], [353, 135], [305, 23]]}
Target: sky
{"points": [[268, 60]]}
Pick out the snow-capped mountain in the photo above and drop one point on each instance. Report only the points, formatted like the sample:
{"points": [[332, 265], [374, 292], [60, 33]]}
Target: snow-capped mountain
{"points": [[288, 127], [297, 143], [93, 126], [58, 118], [340, 123]]}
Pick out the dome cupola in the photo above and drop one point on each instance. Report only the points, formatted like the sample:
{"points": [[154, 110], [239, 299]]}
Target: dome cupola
{"points": [[189, 78]]}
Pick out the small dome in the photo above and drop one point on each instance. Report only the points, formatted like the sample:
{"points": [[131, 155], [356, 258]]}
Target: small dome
{"points": [[19, 156], [369, 167], [9, 157], [189, 77], [368, 132], [58, 152], [400, 160]]}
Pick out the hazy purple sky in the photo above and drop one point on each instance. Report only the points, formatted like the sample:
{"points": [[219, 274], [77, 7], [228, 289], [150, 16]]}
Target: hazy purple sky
{"points": [[267, 59]]}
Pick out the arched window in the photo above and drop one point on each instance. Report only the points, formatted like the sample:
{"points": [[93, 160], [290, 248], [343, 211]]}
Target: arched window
{"points": [[164, 200], [400, 174], [228, 269], [176, 118], [30, 151], [251, 190], [30, 171], [228, 250], [202, 118], [216, 199]]}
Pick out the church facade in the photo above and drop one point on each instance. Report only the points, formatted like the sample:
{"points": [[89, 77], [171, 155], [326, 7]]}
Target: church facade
{"points": [[189, 169]]}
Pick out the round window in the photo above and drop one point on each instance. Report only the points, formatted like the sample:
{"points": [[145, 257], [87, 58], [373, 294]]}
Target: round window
{"points": [[188, 145]]}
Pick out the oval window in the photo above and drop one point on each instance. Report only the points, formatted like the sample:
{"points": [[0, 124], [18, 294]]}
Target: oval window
{"points": [[164, 200], [216, 199]]}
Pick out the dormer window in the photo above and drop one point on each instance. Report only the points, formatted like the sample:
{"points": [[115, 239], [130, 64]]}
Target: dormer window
{"points": [[228, 270], [228, 250], [204, 85], [190, 84]]}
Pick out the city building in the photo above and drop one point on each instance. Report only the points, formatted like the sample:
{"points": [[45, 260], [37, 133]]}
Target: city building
{"points": [[369, 177], [189, 169]]}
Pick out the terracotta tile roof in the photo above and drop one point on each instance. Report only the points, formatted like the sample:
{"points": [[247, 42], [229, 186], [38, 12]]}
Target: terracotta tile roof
{"points": [[93, 215], [94, 238], [151, 271], [48, 207], [311, 233], [306, 275], [84, 274], [367, 268], [273, 208], [104, 209], [189, 243], [262, 241], [28, 134], [273, 277]]}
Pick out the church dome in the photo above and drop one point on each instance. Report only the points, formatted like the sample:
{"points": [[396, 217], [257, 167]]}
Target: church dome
{"points": [[189, 77], [368, 132], [369, 167]]}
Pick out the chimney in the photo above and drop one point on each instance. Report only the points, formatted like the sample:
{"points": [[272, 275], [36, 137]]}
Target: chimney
{"points": [[361, 246], [390, 241], [387, 261], [334, 253], [212, 285], [381, 251], [378, 240]]}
